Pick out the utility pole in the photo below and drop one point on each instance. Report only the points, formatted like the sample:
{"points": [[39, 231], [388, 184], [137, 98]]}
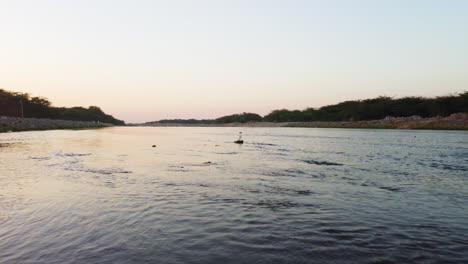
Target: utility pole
{"points": [[22, 110]]}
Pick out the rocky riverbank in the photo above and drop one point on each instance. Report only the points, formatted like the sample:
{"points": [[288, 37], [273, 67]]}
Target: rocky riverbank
{"points": [[25, 124], [458, 121]]}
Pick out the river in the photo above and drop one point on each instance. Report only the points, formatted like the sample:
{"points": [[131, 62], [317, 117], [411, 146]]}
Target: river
{"points": [[287, 195]]}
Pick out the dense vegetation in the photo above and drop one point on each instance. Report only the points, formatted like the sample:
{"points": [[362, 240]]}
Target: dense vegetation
{"points": [[240, 118], [357, 110], [39, 107], [186, 121], [377, 108], [237, 118]]}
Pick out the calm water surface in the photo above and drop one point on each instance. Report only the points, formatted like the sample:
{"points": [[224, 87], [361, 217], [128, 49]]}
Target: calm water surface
{"points": [[288, 195]]}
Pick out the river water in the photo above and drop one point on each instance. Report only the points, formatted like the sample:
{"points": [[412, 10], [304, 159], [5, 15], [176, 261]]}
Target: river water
{"points": [[288, 195]]}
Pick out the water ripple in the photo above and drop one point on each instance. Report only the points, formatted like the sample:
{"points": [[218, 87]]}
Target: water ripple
{"points": [[285, 196]]}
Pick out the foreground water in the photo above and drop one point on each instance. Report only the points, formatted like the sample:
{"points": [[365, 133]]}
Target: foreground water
{"points": [[288, 195]]}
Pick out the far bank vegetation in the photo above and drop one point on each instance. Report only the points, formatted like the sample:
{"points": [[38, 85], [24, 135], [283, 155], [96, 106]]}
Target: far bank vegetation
{"points": [[356, 110], [15, 104]]}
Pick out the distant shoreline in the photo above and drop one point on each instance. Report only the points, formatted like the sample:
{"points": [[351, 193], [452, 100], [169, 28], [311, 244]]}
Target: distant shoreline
{"points": [[16, 124], [457, 121]]}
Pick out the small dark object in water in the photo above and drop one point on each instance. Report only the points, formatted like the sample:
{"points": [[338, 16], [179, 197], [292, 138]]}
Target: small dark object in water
{"points": [[326, 163], [208, 162], [154, 146], [240, 140]]}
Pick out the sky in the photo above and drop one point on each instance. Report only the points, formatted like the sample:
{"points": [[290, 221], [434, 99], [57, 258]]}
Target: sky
{"points": [[150, 60]]}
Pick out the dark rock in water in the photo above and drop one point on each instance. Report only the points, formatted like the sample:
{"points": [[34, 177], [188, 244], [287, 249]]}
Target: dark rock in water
{"points": [[326, 163]]}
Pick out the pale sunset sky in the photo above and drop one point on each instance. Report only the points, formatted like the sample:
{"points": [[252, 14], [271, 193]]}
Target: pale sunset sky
{"points": [[149, 60]]}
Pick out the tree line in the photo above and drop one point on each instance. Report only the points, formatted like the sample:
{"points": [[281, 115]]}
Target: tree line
{"points": [[354, 110], [23, 105], [236, 118]]}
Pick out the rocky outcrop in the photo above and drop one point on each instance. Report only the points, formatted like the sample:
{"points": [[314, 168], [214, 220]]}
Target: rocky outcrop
{"points": [[457, 121], [24, 124], [458, 117]]}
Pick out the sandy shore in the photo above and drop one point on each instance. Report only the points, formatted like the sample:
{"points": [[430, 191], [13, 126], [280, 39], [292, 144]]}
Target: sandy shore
{"points": [[457, 121], [24, 124]]}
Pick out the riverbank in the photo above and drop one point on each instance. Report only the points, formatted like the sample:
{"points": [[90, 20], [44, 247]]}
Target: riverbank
{"points": [[15, 124], [458, 121]]}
